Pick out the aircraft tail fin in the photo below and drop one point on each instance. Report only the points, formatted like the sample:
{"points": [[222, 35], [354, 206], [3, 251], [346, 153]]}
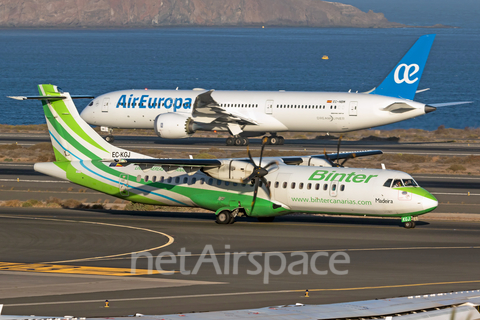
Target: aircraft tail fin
{"points": [[402, 81], [72, 138]]}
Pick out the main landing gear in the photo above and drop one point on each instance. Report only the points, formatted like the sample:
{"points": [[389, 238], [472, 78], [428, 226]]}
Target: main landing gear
{"points": [[226, 216], [237, 141], [242, 141]]}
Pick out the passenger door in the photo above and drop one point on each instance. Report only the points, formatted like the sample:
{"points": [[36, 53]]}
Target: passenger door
{"points": [[269, 107], [106, 102], [353, 108], [123, 184]]}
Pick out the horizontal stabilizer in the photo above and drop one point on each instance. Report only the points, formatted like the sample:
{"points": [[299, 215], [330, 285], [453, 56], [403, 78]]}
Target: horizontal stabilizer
{"points": [[447, 104], [51, 98]]}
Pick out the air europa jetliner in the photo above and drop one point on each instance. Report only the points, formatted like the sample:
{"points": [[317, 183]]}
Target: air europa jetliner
{"points": [[262, 188], [180, 113]]}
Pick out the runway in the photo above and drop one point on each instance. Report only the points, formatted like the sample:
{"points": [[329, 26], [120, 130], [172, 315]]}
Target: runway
{"points": [[386, 260], [314, 146]]}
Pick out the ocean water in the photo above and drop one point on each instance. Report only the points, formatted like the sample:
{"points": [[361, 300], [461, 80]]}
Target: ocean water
{"points": [[98, 61]]}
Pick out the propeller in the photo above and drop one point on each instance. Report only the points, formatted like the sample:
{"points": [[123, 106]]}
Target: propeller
{"points": [[337, 160], [258, 174]]}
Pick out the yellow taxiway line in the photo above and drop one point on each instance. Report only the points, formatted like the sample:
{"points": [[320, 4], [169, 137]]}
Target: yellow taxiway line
{"points": [[69, 269]]}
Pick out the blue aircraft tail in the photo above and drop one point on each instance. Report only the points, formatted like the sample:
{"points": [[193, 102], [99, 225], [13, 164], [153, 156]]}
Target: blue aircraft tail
{"points": [[402, 81]]}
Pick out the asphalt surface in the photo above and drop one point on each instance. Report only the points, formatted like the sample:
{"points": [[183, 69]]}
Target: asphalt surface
{"points": [[385, 260], [315, 146], [84, 251]]}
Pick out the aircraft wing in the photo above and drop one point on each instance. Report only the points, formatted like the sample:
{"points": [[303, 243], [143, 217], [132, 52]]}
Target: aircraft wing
{"points": [[207, 110], [307, 160]]}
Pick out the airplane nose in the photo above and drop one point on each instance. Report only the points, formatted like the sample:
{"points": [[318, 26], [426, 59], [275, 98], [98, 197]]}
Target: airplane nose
{"points": [[429, 109], [88, 115], [429, 202]]}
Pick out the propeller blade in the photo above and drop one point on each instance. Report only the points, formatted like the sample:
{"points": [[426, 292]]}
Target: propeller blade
{"points": [[249, 178], [255, 191], [346, 159], [338, 148], [250, 156], [270, 164], [265, 183], [328, 158], [264, 142]]}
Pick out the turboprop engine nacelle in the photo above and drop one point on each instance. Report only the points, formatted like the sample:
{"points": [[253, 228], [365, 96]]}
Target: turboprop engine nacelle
{"points": [[231, 170], [174, 125]]}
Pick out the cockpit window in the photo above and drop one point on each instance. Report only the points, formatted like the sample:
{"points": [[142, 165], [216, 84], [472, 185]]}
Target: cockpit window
{"points": [[397, 183], [91, 103], [388, 183], [410, 183]]}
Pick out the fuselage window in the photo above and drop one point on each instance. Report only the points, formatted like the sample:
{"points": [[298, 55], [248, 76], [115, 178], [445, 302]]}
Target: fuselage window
{"points": [[139, 178], [194, 180], [300, 185], [388, 183], [276, 184], [219, 182], [185, 180], [227, 183], [309, 186], [293, 185], [269, 184], [162, 179], [202, 181], [169, 180], [325, 187], [334, 187], [235, 184], [317, 186], [154, 178], [397, 183], [177, 180], [285, 185], [146, 178], [210, 181], [342, 187]]}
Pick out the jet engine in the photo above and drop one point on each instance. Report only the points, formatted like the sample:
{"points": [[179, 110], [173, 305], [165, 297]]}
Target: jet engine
{"points": [[174, 125]]}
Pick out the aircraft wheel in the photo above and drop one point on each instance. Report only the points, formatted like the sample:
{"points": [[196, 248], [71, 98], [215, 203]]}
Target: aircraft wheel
{"points": [[245, 141], [230, 141], [281, 140], [274, 140], [109, 138], [238, 142], [266, 219], [409, 224], [224, 217]]}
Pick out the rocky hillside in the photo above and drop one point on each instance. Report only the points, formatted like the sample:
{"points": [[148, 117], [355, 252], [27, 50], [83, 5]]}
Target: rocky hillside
{"points": [[158, 13]]}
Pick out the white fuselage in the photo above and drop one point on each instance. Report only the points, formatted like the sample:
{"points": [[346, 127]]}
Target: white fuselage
{"points": [[273, 111]]}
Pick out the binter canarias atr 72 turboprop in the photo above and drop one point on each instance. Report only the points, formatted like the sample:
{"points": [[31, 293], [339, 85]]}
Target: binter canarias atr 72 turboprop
{"points": [[255, 187], [180, 113]]}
